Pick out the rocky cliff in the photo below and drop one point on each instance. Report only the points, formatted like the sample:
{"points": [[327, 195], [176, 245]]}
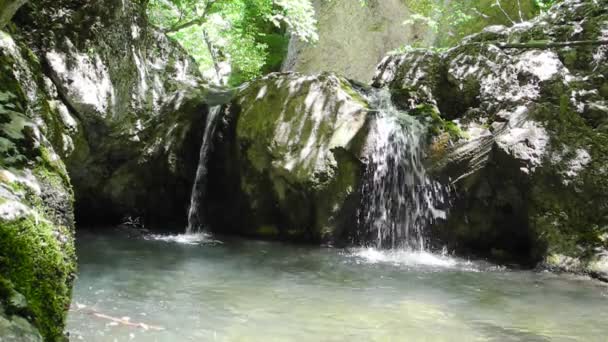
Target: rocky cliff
{"points": [[99, 109], [529, 169], [355, 35], [136, 100]]}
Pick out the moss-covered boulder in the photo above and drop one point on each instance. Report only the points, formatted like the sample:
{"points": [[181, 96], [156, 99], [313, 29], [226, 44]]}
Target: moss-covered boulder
{"points": [[529, 168], [287, 158], [138, 98], [37, 258]]}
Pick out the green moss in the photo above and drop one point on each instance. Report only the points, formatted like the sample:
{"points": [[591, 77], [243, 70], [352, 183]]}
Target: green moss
{"points": [[41, 267], [346, 87], [570, 218], [52, 170], [438, 125]]}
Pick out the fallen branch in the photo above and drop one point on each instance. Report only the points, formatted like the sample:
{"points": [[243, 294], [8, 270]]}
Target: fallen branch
{"points": [[122, 321], [127, 322]]}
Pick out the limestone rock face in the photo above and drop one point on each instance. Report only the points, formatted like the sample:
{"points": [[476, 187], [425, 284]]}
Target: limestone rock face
{"points": [[37, 259], [136, 98], [530, 168], [288, 158], [352, 37], [355, 35]]}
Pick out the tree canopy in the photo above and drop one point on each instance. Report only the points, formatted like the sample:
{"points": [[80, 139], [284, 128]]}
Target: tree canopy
{"points": [[236, 38]]}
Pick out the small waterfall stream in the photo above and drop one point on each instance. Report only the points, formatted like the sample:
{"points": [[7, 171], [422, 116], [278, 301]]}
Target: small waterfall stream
{"points": [[399, 199], [195, 219]]}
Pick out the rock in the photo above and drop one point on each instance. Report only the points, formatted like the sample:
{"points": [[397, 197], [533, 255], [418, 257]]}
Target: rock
{"points": [[352, 38], [355, 35], [529, 168], [288, 158], [37, 258], [17, 329], [133, 103]]}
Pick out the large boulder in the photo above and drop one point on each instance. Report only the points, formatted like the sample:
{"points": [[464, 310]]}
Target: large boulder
{"points": [[287, 158], [529, 161], [136, 98], [37, 258]]}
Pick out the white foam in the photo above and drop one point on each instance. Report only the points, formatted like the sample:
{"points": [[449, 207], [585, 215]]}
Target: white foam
{"points": [[403, 257], [186, 239]]}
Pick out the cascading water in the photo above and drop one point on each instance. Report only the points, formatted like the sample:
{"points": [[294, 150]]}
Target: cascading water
{"points": [[399, 198], [195, 219]]}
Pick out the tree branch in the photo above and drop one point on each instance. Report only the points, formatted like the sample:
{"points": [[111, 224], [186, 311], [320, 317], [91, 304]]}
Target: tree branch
{"points": [[499, 5], [198, 21], [548, 45]]}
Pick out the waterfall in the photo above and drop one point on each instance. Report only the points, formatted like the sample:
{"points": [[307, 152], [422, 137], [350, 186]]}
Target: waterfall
{"points": [[399, 199], [195, 219]]}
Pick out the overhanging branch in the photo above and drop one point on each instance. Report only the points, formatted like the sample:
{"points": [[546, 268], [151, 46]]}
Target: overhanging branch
{"points": [[198, 21], [549, 45]]}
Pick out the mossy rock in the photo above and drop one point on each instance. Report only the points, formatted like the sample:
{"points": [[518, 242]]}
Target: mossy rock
{"points": [[529, 167], [37, 258], [292, 150], [41, 266]]}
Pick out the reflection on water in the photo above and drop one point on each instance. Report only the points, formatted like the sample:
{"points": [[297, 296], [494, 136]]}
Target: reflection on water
{"points": [[186, 289]]}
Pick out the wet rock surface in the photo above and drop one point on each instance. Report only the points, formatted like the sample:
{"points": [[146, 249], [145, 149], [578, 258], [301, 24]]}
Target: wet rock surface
{"points": [[529, 169], [135, 103], [287, 158]]}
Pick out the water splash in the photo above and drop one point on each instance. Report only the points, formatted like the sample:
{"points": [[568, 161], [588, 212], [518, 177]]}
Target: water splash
{"points": [[415, 259], [399, 199], [185, 239], [195, 219]]}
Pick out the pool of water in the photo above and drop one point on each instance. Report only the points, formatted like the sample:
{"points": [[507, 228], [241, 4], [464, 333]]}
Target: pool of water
{"points": [[194, 288]]}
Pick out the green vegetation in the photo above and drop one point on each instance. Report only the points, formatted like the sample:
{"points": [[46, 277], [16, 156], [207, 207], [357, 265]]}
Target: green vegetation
{"points": [[461, 18], [34, 261], [247, 35], [234, 41]]}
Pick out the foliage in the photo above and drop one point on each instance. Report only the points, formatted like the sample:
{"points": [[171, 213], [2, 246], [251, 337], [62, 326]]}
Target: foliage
{"points": [[247, 38], [544, 5], [247, 35], [453, 20]]}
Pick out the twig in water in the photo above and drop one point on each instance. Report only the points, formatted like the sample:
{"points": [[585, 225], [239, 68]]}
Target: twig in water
{"points": [[122, 321]]}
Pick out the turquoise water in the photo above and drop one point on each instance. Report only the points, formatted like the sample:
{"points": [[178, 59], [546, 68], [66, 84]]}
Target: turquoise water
{"points": [[182, 289]]}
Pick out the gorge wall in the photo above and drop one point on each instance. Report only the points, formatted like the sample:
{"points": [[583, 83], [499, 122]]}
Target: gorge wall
{"points": [[100, 111], [355, 35]]}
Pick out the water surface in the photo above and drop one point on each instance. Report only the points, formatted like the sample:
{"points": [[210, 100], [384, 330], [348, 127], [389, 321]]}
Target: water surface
{"points": [[196, 289]]}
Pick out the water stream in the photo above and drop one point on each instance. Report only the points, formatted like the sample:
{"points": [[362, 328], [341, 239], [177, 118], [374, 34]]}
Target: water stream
{"points": [[239, 290], [399, 198], [195, 219]]}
